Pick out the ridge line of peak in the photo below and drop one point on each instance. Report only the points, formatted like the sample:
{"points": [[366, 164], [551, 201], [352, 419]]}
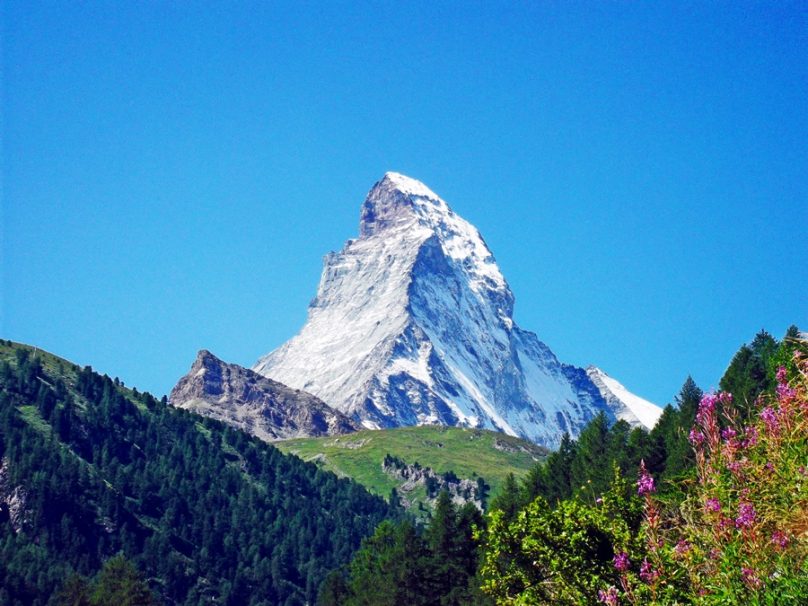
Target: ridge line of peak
{"points": [[406, 185]]}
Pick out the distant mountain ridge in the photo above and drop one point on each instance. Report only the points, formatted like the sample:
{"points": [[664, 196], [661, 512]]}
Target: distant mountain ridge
{"points": [[413, 324]]}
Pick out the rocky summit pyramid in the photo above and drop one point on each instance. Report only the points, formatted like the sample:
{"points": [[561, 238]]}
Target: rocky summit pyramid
{"points": [[413, 324]]}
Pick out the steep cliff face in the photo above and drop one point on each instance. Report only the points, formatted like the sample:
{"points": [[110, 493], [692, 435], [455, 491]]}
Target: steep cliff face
{"points": [[413, 324], [249, 401]]}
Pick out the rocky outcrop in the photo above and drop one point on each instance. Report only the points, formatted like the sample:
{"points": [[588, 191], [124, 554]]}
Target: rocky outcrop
{"points": [[260, 406], [460, 490], [13, 500]]}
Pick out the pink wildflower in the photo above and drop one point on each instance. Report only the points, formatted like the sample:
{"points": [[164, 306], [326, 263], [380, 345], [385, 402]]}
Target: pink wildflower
{"points": [[712, 505], [696, 437], [621, 561], [746, 515], [645, 483], [706, 409], [682, 547], [609, 597], [769, 416], [781, 375], [750, 578], [780, 539], [735, 466], [785, 392], [728, 433], [647, 573], [751, 436]]}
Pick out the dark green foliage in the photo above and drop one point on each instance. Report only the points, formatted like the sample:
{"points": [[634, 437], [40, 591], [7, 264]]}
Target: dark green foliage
{"points": [[118, 584], [592, 465], [334, 590], [784, 356], [400, 566], [509, 499], [748, 374], [206, 512], [585, 467], [562, 554], [391, 568]]}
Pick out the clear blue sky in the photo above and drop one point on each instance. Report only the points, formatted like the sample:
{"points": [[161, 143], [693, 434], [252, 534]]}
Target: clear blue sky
{"points": [[173, 173]]}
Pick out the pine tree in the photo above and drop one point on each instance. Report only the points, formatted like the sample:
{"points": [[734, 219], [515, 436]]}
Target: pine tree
{"points": [[334, 590], [119, 583], [508, 499], [748, 373], [591, 468], [74, 592], [390, 568], [679, 451]]}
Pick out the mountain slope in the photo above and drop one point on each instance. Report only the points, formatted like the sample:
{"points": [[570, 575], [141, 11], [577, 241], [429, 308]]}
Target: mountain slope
{"points": [[466, 453], [413, 324], [246, 400], [637, 411], [89, 468]]}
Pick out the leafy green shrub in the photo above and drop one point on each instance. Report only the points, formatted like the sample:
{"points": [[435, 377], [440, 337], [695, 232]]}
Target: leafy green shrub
{"points": [[561, 555]]}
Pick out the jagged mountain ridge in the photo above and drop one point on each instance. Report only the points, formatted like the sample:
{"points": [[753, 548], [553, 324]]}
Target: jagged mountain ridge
{"points": [[413, 324], [260, 406]]}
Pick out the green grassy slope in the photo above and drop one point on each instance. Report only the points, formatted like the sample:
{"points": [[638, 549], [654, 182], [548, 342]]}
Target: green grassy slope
{"points": [[469, 453]]}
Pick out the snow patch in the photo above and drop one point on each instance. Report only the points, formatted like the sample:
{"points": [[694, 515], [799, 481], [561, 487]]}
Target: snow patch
{"points": [[647, 413]]}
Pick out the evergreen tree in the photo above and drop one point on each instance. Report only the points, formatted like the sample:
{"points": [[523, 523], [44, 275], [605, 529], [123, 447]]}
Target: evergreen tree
{"points": [[591, 468], [509, 499], [334, 590], [445, 546], [680, 457], [559, 470], [74, 592], [748, 373], [390, 568], [617, 450], [120, 584]]}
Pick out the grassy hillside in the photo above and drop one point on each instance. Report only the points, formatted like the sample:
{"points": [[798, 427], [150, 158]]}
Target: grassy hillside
{"points": [[469, 453]]}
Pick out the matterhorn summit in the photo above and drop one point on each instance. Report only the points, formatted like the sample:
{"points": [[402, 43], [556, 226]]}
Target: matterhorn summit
{"points": [[413, 324]]}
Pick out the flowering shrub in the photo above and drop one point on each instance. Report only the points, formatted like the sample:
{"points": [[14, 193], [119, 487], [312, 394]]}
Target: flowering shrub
{"points": [[741, 534]]}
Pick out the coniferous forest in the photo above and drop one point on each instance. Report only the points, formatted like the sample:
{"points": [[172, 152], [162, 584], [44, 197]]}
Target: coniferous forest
{"points": [[108, 495], [205, 513]]}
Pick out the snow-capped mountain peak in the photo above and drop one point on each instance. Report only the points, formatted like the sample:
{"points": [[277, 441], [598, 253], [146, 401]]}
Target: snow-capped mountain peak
{"points": [[413, 324], [625, 405]]}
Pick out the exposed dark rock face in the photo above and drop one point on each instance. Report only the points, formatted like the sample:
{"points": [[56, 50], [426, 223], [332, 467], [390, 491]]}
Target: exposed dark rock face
{"points": [[13, 500], [258, 405]]}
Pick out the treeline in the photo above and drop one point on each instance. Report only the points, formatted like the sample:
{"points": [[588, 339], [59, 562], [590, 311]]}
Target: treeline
{"points": [[562, 534], [90, 469], [583, 468]]}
